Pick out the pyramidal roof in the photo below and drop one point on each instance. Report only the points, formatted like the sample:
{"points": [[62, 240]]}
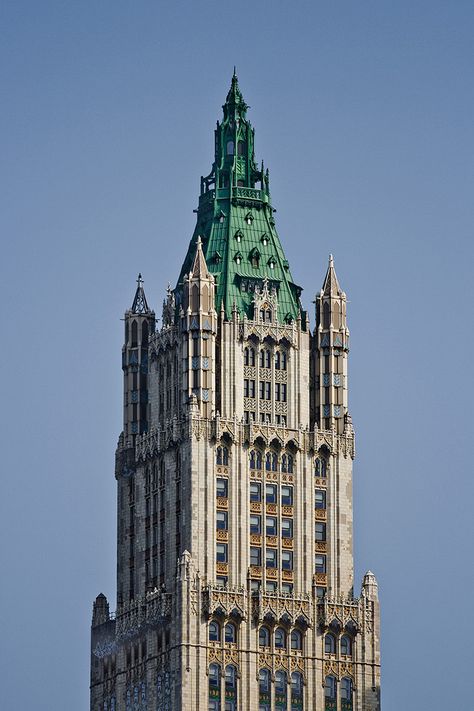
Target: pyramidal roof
{"points": [[235, 222], [140, 305], [331, 284]]}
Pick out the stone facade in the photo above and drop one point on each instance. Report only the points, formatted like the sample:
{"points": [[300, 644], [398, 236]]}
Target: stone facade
{"points": [[234, 479]]}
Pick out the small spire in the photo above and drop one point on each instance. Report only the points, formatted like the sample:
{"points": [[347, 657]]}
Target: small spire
{"points": [[234, 97], [199, 267], [331, 284], [140, 305]]}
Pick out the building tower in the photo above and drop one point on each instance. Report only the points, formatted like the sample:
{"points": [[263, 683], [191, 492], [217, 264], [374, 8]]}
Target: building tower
{"points": [[234, 478]]}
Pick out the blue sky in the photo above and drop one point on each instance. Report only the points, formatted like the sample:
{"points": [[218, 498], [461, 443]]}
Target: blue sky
{"points": [[363, 113]]}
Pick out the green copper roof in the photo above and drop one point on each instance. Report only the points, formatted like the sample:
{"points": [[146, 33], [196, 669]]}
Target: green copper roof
{"points": [[235, 221]]}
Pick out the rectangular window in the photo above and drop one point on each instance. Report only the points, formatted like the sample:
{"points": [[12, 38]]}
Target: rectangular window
{"points": [[320, 592], [222, 486], [270, 586], [268, 391], [277, 392], [255, 556], [271, 558], [270, 493], [246, 388], [221, 581], [320, 563], [287, 528], [287, 588], [287, 495], [262, 389], [287, 560], [320, 531], [222, 520], [255, 491], [319, 499], [251, 388], [255, 586], [221, 552], [283, 392], [255, 524], [271, 526]]}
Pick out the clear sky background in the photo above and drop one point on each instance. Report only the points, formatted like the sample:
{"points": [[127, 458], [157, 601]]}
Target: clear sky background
{"points": [[363, 113]]}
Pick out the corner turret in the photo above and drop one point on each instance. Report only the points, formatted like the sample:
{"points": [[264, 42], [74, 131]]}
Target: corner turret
{"points": [[139, 325], [331, 346]]}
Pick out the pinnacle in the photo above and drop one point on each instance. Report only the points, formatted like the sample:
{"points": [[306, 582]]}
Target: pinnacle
{"points": [[140, 305], [331, 284], [199, 267]]}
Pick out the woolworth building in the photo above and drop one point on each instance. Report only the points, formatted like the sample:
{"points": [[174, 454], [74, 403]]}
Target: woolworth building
{"points": [[235, 575]]}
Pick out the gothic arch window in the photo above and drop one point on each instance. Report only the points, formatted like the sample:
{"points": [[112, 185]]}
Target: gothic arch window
{"points": [[264, 637], [134, 334], [144, 334], [195, 298], [330, 644], [330, 688], [241, 148], [264, 690], [271, 462], [230, 632], [296, 640], [230, 678], [255, 459], [281, 690], [214, 687], [283, 360], [320, 467], [230, 148], [280, 638], [249, 356], [296, 691], [326, 315], [214, 632], [346, 692], [265, 358], [346, 645], [222, 456]]}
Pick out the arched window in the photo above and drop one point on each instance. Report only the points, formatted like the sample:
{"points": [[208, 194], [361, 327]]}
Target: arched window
{"points": [[284, 463], [277, 360], [290, 464], [134, 334], [280, 638], [258, 460], [281, 689], [274, 462], [268, 462], [252, 459], [296, 691], [296, 640], [145, 334], [264, 690], [230, 148], [230, 633], [264, 681], [230, 677], [330, 687], [283, 360], [241, 148], [346, 645], [214, 675], [214, 632], [214, 687], [330, 644], [249, 356], [219, 455], [264, 637], [320, 467], [346, 692]]}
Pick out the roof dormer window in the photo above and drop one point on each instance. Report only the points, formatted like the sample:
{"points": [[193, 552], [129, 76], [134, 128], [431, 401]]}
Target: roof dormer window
{"points": [[238, 236], [248, 218], [264, 240]]}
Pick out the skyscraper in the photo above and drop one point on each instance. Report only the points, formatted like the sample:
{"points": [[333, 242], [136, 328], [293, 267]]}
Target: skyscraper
{"points": [[234, 479]]}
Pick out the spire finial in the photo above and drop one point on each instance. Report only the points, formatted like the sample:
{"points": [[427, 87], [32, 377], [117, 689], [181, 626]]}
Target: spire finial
{"points": [[140, 305], [331, 284]]}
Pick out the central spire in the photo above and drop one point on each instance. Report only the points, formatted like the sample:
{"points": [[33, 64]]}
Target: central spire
{"points": [[235, 222]]}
